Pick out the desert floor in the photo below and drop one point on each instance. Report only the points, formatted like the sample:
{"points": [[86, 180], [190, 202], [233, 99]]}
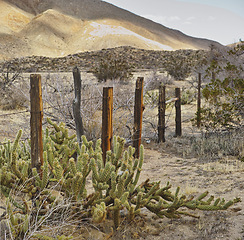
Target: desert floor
{"points": [[170, 161]]}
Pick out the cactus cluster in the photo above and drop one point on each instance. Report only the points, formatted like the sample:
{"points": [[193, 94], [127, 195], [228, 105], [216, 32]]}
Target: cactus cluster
{"points": [[66, 168], [15, 164]]}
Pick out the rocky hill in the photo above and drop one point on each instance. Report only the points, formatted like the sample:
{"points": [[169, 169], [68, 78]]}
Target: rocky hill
{"points": [[56, 28], [138, 58]]}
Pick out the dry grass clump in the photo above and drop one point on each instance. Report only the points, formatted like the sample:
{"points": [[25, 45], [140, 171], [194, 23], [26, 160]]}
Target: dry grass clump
{"points": [[59, 222], [224, 166], [12, 100], [216, 145], [14, 96]]}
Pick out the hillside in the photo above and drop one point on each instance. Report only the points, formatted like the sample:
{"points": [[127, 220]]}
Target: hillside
{"points": [[138, 58], [55, 28]]}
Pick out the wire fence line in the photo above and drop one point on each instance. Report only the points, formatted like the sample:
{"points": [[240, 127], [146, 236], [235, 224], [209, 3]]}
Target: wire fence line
{"points": [[123, 111], [45, 108], [153, 124]]}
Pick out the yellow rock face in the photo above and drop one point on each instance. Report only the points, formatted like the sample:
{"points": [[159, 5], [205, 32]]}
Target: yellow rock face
{"points": [[17, 21], [12, 19]]}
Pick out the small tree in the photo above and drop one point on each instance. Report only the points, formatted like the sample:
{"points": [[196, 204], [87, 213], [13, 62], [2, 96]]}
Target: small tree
{"points": [[111, 67], [225, 93], [178, 67]]}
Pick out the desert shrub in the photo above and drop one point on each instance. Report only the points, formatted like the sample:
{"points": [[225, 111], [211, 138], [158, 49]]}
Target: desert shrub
{"points": [[155, 79], [224, 92], [225, 103], [187, 96], [215, 145], [151, 98], [12, 100], [151, 87], [12, 95], [111, 67], [58, 97], [179, 68]]}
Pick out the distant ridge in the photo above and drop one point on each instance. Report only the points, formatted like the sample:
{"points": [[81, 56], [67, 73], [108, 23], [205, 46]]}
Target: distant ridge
{"points": [[57, 28]]}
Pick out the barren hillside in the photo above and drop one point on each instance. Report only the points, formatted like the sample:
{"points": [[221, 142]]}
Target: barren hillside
{"points": [[56, 28]]}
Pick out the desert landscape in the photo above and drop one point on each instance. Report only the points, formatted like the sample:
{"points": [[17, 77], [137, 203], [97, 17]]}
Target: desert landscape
{"points": [[56, 29], [50, 38]]}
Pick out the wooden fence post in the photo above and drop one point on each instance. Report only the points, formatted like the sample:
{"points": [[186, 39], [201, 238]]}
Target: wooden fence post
{"points": [[161, 114], [199, 100], [36, 122], [178, 130], [76, 105], [138, 109], [107, 123]]}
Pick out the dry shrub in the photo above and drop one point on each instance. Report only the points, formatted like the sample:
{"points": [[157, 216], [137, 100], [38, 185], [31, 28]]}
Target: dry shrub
{"points": [[58, 95], [12, 99], [113, 66], [14, 93], [216, 145]]}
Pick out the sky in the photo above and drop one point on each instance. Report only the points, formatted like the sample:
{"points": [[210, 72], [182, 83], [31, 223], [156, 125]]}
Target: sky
{"points": [[219, 20]]}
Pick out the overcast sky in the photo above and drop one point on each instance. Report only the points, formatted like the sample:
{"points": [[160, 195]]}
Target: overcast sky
{"points": [[219, 20]]}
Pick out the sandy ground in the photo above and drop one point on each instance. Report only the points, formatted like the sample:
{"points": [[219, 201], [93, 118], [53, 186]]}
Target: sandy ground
{"points": [[194, 178]]}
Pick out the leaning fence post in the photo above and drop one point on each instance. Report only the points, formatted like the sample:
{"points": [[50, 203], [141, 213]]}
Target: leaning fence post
{"points": [[36, 122], [178, 130], [138, 109], [199, 100], [161, 114], [107, 117], [76, 105]]}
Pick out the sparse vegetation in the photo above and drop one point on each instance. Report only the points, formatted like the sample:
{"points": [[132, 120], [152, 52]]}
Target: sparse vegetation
{"points": [[187, 96], [64, 189], [11, 95], [179, 68], [113, 67], [225, 92], [216, 145]]}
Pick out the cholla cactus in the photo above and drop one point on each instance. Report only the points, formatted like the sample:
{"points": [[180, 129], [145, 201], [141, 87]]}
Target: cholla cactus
{"points": [[62, 146], [99, 212], [115, 184], [67, 167], [15, 164], [19, 223]]}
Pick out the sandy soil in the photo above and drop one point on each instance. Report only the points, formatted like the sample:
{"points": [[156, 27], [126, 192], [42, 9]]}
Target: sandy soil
{"points": [[194, 178]]}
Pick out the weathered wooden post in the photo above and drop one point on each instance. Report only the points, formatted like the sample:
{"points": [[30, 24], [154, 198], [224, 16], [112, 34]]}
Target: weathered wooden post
{"points": [[161, 114], [199, 100], [76, 105], [36, 122], [138, 109], [107, 120], [178, 130]]}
